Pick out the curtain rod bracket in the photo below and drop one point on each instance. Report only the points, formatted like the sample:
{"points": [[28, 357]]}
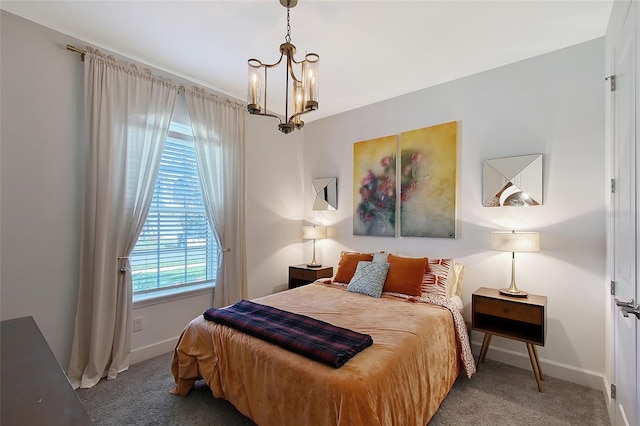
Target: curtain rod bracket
{"points": [[75, 49]]}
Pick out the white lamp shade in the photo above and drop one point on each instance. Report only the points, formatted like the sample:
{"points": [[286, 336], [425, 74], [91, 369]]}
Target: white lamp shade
{"points": [[314, 232], [520, 242]]}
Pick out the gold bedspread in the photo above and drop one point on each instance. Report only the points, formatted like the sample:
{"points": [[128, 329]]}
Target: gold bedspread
{"points": [[400, 380]]}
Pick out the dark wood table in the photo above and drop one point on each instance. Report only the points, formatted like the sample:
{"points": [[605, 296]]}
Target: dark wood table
{"points": [[302, 274], [33, 388]]}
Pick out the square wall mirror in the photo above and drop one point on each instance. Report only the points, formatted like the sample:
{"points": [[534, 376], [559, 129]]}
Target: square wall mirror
{"points": [[326, 190], [512, 181]]}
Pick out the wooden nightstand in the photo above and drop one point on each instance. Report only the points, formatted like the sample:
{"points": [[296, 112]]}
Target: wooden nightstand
{"points": [[521, 319], [303, 274]]}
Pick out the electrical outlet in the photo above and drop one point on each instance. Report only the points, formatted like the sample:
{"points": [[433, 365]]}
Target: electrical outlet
{"points": [[137, 324]]}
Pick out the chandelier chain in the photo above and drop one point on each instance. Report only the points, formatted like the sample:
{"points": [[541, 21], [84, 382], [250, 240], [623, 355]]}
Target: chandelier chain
{"points": [[288, 36]]}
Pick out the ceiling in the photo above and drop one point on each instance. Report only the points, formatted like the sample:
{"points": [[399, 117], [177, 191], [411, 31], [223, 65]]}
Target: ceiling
{"points": [[369, 50]]}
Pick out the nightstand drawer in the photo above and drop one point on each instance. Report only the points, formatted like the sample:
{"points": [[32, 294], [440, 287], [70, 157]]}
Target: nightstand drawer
{"points": [[302, 274], [510, 310]]}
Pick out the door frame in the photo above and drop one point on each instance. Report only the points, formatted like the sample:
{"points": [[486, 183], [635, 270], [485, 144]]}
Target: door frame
{"points": [[620, 12]]}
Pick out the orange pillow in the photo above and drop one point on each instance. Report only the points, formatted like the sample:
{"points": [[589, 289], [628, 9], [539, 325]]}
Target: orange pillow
{"points": [[405, 275], [348, 264]]}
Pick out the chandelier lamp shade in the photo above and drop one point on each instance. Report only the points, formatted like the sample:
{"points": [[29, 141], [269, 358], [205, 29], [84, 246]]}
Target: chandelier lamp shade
{"points": [[515, 242], [301, 94]]}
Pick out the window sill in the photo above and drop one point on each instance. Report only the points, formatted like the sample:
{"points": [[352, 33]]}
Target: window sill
{"points": [[144, 300]]}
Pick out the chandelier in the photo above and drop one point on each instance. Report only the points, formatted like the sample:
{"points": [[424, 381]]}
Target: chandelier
{"points": [[301, 95]]}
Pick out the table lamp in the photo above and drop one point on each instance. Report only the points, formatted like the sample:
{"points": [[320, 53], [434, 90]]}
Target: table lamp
{"points": [[314, 233], [520, 242]]}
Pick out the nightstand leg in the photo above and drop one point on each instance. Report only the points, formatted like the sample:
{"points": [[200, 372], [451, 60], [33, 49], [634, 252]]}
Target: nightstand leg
{"points": [[485, 347], [535, 364], [535, 351]]}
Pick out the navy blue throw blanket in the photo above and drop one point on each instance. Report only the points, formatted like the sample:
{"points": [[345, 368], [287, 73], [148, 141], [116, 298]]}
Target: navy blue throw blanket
{"points": [[306, 336]]}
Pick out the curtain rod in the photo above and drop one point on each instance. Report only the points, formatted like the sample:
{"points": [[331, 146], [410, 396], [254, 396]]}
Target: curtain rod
{"points": [[75, 49], [83, 52]]}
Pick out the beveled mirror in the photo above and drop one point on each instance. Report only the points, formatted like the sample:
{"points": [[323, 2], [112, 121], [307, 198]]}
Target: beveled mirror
{"points": [[326, 190], [512, 181]]}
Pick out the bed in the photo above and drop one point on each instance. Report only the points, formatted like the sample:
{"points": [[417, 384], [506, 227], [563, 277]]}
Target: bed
{"points": [[420, 346]]}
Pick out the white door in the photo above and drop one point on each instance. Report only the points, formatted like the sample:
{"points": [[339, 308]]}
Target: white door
{"points": [[625, 224]]}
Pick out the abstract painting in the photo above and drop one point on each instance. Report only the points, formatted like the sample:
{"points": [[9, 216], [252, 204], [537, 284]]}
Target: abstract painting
{"points": [[374, 187], [427, 177]]}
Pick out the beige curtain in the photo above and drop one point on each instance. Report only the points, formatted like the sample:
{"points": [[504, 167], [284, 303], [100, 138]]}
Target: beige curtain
{"points": [[219, 133], [127, 116]]}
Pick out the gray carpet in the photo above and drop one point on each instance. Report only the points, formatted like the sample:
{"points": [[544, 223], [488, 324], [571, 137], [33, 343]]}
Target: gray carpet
{"points": [[498, 394]]}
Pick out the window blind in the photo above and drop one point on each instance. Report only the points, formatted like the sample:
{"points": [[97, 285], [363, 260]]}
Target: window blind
{"points": [[176, 248]]}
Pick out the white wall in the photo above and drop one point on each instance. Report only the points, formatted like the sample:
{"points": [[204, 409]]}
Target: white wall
{"points": [[41, 104], [552, 104], [274, 205], [41, 177]]}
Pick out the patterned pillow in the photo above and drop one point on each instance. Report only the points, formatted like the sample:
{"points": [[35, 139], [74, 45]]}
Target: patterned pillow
{"points": [[436, 281], [369, 278]]}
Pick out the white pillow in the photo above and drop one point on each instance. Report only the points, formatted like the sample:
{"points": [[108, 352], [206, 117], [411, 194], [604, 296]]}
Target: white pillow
{"points": [[380, 256], [456, 280]]}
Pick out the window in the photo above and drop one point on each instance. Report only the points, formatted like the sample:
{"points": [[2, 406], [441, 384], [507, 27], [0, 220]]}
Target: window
{"points": [[176, 250]]}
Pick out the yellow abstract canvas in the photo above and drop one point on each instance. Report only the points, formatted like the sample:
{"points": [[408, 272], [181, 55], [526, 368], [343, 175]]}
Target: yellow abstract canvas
{"points": [[427, 178]]}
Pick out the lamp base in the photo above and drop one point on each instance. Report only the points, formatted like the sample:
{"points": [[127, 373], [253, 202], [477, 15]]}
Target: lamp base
{"points": [[313, 265], [517, 293]]}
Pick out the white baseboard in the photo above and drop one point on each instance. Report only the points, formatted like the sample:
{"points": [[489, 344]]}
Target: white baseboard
{"points": [[558, 370], [151, 351]]}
